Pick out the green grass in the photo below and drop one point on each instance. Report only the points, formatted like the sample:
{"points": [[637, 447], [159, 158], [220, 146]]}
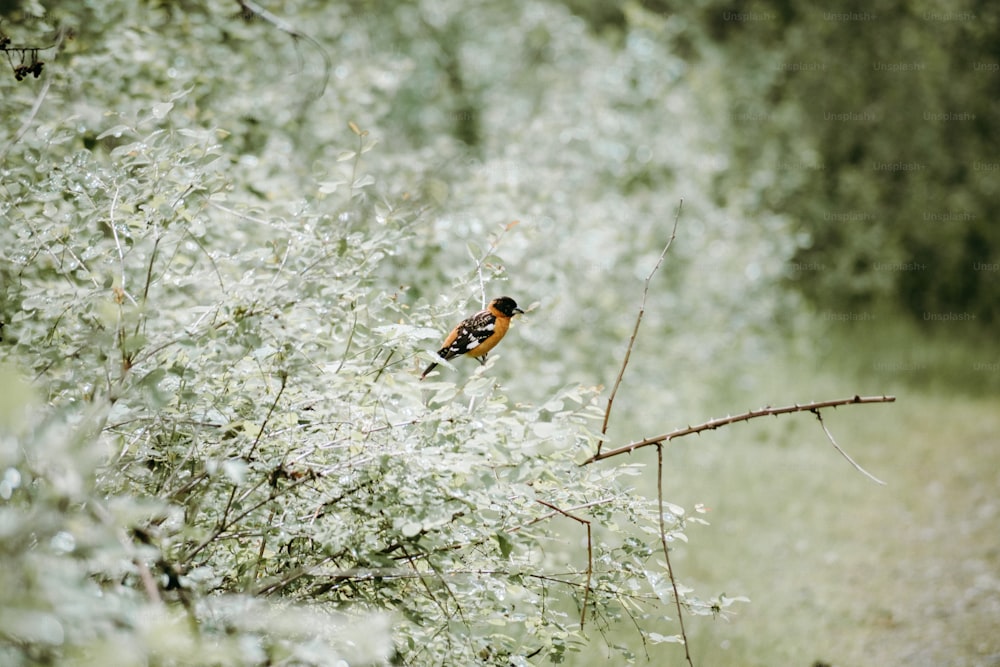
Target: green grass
{"points": [[839, 570]]}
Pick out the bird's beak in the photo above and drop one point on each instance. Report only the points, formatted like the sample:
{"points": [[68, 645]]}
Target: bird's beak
{"points": [[518, 310]]}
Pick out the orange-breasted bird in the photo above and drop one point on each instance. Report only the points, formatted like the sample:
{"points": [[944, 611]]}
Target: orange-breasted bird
{"points": [[477, 334]]}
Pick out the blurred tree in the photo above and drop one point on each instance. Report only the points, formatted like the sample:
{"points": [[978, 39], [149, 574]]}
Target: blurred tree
{"points": [[874, 130]]}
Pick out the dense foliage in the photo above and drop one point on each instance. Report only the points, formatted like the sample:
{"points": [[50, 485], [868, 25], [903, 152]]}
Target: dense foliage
{"points": [[218, 286]]}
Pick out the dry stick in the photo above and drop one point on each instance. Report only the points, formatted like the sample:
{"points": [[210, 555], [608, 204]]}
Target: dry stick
{"points": [[713, 424], [347, 347], [746, 416], [590, 557], [118, 243], [666, 550], [611, 400], [635, 330], [263, 546]]}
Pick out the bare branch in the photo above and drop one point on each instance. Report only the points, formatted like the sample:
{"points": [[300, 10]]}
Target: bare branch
{"points": [[145, 576], [666, 549], [226, 522], [635, 330], [746, 416], [444, 583], [515, 529]]}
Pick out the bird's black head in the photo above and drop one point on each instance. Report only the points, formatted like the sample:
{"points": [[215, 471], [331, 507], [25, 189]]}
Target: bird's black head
{"points": [[506, 305]]}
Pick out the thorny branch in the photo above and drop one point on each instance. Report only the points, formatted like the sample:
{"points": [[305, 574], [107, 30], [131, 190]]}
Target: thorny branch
{"points": [[660, 440], [746, 416]]}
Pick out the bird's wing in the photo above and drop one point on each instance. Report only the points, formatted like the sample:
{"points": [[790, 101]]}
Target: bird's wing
{"points": [[468, 335]]}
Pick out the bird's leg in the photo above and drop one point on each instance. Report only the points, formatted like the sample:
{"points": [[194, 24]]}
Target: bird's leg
{"points": [[482, 359]]}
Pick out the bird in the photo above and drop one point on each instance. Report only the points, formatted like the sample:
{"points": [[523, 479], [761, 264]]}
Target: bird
{"points": [[477, 334]]}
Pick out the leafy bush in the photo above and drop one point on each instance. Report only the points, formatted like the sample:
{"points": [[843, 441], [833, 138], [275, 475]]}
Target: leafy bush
{"points": [[230, 431], [219, 290]]}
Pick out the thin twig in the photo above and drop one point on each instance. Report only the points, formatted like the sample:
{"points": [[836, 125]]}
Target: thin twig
{"points": [[423, 580], [666, 550], [148, 582], [274, 404], [149, 279], [635, 330], [489, 251], [843, 453], [347, 347], [746, 416], [357, 154], [515, 529], [211, 260], [253, 9], [226, 522], [590, 557]]}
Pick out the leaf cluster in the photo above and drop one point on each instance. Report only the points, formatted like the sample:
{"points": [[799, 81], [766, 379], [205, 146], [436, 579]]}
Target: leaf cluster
{"points": [[229, 440]]}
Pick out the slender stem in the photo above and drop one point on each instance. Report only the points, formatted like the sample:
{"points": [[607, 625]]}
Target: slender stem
{"points": [[843, 453], [666, 549], [489, 251], [635, 330], [274, 404]]}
